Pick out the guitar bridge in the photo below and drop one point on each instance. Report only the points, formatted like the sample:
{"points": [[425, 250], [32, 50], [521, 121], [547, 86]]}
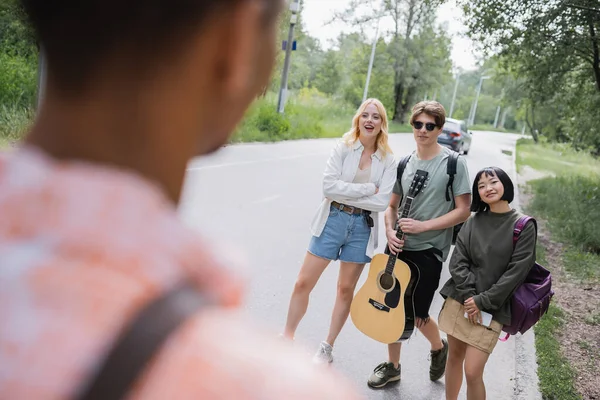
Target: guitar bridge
{"points": [[379, 306]]}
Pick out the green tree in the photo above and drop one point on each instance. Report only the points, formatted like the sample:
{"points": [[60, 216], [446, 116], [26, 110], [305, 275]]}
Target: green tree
{"points": [[554, 49], [18, 58], [328, 77], [414, 68], [16, 37]]}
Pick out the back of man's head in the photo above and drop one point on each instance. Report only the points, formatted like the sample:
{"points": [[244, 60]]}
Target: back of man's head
{"points": [[79, 36], [131, 82]]}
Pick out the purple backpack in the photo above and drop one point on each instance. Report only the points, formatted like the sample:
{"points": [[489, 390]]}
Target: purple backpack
{"points": [[532, 298]]}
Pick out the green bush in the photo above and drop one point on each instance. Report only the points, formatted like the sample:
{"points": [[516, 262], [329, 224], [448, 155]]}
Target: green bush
{"points": [[308, 114], [271, 122], [18, 81], [304, 126], [13, 124], [571, 204]]}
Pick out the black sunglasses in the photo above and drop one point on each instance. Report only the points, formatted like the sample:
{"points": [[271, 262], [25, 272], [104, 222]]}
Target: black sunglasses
{"points": [[428, 126]]}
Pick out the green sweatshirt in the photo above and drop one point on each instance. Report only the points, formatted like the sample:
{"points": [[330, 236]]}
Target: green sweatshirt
{"points": [[485, 266]]}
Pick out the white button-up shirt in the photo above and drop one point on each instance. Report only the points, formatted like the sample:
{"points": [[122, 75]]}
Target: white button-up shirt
{"points": [[338, 185]]}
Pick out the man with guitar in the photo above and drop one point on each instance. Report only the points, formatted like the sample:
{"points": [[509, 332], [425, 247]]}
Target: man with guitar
{"points": [[422, 239]]}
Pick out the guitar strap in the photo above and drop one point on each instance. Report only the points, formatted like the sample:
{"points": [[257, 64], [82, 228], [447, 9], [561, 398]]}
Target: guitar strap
{"points": [[140, 341]]}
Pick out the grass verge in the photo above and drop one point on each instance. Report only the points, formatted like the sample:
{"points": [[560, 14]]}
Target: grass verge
{"points": [[555, 373], [489, 128], [556, 158], [569, 202]]}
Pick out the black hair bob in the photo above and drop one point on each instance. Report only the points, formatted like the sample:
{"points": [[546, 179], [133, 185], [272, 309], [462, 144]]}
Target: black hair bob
{"points": [[477, 204]]}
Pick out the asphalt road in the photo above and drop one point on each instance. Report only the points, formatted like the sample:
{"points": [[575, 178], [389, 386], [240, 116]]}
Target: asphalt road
{"points": [[259, 200]]}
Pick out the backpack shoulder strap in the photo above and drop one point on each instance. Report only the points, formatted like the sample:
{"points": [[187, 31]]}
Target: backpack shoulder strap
{"points": [[520, 225], [451, 171], [402, 166], [452, 163], [140, 341]]}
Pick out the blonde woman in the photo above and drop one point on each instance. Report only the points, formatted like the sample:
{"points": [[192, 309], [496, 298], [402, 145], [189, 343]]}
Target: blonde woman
{"points": [[357, 185]]}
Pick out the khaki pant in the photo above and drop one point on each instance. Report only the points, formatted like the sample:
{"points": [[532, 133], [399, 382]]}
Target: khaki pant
{"points": [[452, 321]]}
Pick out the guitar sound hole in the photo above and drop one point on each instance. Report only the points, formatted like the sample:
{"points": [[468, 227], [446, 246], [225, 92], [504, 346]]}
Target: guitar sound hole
{"points": [[386, 281]]}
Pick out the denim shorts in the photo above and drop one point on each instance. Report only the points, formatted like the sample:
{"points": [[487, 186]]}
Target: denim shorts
{"points": [[344, 237]]}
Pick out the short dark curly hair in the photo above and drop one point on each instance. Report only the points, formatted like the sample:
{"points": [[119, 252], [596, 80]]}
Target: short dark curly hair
{"points": [[77, 35]]}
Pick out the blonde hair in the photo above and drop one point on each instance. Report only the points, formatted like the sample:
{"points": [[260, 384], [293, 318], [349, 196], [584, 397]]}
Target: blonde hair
{"points": [[353, 134]]}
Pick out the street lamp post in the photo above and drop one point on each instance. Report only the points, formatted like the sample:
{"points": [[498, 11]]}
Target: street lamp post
{"points": [[365, 93], [474, 109], [454, 95], [503, 119], [496, 120], [294, 7], [497, 116]]}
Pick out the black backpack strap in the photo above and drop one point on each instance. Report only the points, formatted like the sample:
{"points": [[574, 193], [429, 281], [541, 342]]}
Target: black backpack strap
{"points": [[451, 170], [140, 341], [401, 167]]}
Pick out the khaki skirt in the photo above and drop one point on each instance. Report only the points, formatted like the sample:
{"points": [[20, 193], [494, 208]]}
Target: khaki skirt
{"points": [[452, 321]]}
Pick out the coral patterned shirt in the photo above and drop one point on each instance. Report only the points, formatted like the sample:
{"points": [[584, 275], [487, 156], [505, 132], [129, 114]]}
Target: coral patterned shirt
{"points": [[82, 249]]}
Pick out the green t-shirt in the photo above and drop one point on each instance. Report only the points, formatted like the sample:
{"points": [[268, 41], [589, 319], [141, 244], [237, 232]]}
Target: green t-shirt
{"points": [[431, 202]]}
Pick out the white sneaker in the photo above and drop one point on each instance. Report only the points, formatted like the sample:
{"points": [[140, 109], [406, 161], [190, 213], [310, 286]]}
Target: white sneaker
{"points": [[323, 355], [282, 337]]}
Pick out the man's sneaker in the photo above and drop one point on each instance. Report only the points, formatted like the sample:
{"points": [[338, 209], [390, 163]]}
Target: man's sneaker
{"points": [[383, 374], [323, 355], [437, 369]]}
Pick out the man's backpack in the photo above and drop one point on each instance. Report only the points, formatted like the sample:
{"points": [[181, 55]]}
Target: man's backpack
{"points": [[531, 299], [450, 170]]}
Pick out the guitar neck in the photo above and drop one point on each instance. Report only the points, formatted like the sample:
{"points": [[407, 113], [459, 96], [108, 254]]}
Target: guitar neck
{"points": [[399, 234], [405, 214]]}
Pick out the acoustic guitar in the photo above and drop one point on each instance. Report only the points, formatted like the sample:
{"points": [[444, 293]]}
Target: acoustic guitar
{"points": [[378, 308]]}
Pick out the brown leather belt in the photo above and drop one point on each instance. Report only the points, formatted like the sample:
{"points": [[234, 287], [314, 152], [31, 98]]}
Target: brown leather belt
{"points": [[347, 209]]}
